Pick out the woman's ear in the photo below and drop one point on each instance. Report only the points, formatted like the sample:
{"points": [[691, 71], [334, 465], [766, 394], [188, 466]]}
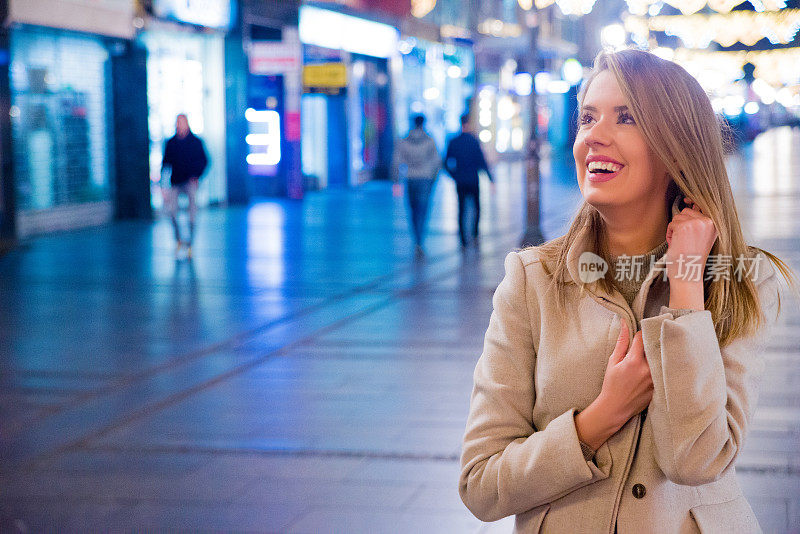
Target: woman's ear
{"points": [[677, 205], [674, 197]]}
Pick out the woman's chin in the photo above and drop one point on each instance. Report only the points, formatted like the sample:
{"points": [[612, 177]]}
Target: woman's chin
{"points": [[600, 199]]}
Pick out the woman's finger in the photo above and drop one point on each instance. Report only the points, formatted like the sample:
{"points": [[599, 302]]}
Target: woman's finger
{"points": [[637, 347], [622, 343]]}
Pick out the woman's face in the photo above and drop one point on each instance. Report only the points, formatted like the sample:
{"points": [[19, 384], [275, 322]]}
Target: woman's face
{"points": [[615, 167]]}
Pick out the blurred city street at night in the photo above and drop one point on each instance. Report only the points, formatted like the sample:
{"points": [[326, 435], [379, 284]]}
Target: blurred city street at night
{"points": [[215, 315]]}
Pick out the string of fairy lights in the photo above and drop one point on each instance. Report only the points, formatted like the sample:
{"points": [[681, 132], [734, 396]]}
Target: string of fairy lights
{"points": [[776, 70], [689, 7], [698, 31], [701, 28]]}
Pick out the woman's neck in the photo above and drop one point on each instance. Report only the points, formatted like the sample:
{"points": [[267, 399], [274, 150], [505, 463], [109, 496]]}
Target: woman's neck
{"points": [[632, 238]]}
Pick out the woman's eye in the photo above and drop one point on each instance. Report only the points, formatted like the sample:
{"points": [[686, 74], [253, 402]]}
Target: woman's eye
{"points": [[626, 118], [586, 118]]}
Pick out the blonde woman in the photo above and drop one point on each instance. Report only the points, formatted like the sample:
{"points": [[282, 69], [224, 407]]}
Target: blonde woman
{"points": [[608, 403]]}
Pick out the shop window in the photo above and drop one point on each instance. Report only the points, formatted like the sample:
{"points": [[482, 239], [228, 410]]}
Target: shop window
{"points": [[59, 92]]}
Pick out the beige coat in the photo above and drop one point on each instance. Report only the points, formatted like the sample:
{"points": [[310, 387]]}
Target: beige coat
{"points": [[521, 453]]}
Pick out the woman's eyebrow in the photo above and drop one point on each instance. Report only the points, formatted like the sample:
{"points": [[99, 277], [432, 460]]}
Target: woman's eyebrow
{"points": [[618, 109]]}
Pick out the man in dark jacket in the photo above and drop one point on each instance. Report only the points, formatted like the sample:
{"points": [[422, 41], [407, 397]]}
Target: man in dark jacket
{"points": [[186, 158], [463, 160]]}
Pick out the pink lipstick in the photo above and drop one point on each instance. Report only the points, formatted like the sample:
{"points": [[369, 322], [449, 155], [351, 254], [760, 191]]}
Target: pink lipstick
{"points": [[603, 175]]}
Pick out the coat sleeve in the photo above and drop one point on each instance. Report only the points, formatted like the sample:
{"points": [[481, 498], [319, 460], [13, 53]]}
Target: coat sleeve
{"points": [[449, 160], [397, 160], [507, 465], [434, 159], [166, 159], [704, 395], [202, 156], [482, 163]]}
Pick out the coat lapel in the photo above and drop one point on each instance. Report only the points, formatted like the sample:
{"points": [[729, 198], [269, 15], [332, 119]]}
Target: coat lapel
{"points": [[655, 276]]}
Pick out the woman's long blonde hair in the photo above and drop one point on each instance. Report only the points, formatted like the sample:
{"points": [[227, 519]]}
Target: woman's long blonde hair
{"points": [[676, 118]]}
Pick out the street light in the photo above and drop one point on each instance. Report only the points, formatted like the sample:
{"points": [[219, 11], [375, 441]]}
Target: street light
{"points": [[543, 84], [614, 36], [533, 234]]}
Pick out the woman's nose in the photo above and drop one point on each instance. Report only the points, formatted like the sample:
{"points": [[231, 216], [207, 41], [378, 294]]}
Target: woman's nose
{"points": [[598, 135]]}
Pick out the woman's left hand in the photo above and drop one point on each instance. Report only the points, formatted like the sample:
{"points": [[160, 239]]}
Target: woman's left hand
{"points": [[690, 236]]}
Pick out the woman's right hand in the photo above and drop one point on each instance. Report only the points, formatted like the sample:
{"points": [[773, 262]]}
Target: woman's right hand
{"points": [[627, 390], [627, 386]]}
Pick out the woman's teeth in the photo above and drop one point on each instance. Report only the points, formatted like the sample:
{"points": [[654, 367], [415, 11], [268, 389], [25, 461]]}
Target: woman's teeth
{"points": [[604, 166]]}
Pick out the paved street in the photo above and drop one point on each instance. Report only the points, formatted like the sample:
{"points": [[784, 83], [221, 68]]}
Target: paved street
{"points": [[304, 372]]}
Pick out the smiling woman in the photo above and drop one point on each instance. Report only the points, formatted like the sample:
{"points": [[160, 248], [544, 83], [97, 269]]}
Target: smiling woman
{"points": [[620, 403]]}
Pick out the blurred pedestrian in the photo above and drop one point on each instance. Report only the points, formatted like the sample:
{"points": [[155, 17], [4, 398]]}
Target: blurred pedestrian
{"points": [[417, 157], [186, 158], [572, 432], [463, 160]]}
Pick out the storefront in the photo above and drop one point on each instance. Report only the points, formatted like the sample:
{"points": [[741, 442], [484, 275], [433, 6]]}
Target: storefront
{"points": [[325, 136], [357, 119], [61, 113], [273, 116], [503, 110], [436, 80], [59, 91], [558, 103], [186, 74]]}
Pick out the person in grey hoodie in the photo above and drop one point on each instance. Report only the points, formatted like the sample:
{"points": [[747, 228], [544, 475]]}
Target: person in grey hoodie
{"points": [[417, 158]]}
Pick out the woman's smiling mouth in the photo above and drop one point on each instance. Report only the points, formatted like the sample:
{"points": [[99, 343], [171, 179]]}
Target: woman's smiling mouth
{"points": [[602, 169]]}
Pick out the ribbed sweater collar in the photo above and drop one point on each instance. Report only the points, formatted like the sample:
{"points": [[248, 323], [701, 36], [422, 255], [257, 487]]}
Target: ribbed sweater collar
{"points": [[629, 272]]}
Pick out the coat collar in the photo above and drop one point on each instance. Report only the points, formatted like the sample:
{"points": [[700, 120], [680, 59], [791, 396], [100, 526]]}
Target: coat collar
{"points": [[581, 245]]}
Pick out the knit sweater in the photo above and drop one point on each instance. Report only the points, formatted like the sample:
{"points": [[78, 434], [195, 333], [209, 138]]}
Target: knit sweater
{"points": [[629, 272]]}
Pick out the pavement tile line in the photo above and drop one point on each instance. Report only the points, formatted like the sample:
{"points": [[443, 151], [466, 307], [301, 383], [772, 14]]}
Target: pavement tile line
{"points": [[84, 441], [237, 339], [345, 453], [301, 452]]}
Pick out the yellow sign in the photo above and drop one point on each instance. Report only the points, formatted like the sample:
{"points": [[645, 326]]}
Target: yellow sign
{"points": [[325, 75]]}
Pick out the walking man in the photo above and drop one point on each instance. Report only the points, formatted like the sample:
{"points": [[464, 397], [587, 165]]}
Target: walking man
{"points": [[417, 156], [186, 158], [463, 160]]}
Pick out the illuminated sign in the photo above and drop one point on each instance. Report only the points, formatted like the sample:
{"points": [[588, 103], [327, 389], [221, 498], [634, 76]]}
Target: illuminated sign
{"points": [[264, 139], [105, 17], [274, 58], [330, 78], [208, 13], [330, 29]]}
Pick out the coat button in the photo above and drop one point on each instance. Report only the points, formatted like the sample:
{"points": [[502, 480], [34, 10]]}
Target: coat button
{"points": [[638, 491]]}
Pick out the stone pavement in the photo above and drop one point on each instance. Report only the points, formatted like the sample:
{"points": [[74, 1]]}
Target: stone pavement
{"points": [[303, 373]]}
